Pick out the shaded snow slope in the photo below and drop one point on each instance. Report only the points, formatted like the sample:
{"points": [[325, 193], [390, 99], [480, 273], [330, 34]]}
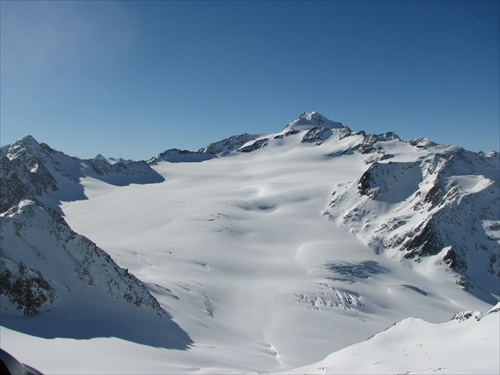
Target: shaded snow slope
{"points": [[112, 160], [73, 287], [37, 241], [253, 260]]}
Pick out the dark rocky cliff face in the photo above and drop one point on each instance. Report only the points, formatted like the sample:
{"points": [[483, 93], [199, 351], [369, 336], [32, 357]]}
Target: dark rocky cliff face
{"points": [[228, 144], [25, 288], [20, 179]]}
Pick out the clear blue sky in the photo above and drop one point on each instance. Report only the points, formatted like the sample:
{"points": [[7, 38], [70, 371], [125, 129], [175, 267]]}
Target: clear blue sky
{"points": [[132, 79]]}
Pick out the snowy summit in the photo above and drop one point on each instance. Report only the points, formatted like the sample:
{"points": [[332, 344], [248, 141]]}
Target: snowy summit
{"points": [[308, 120]]}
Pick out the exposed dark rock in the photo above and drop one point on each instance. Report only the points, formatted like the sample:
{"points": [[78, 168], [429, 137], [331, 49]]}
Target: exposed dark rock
{"points": [[85, 265], [454, 261], [316, 135], [25, 288], [344, 132], [260, 143], [364, 184], [227, 145], [352, 271], [424, 242], [370, 143]]}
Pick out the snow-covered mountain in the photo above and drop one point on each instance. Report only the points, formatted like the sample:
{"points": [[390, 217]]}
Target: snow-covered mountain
{"points": [[468, 344], [46, 267], [227, 145], [35, 171], [418, 200], [43, 259], [269, 252]]}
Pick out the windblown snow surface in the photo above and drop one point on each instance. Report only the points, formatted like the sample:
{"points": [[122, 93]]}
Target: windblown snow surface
{"points": [[241, 251]]}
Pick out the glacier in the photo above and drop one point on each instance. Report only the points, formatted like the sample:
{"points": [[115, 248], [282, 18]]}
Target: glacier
{"points": [[256, 254]]}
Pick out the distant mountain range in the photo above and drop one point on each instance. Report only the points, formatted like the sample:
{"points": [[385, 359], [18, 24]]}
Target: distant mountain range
{"points": [[432, 210]]}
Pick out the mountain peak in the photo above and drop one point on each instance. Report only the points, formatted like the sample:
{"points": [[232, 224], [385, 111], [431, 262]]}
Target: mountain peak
{"points": [[311, 119], [101, 157], [311, 116], [29, 139], [111, 160], [27, 144]]}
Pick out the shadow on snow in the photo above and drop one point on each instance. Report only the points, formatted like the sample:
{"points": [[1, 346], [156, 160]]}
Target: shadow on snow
{"points": [[123, 322]]}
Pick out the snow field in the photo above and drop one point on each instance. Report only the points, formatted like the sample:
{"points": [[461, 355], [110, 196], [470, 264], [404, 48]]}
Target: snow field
{"points": [[414, 346], [242, 245], [243, 254]]}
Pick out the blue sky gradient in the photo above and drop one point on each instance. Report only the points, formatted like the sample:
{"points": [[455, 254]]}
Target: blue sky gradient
{"points": [[131, 79]]}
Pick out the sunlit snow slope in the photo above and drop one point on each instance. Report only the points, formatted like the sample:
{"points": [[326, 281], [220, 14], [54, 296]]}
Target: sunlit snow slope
{"points": [[468, 344], [252, 258]]}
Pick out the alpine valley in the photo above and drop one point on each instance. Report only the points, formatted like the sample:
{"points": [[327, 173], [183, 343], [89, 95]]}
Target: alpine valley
{"points": [[317, 249]]}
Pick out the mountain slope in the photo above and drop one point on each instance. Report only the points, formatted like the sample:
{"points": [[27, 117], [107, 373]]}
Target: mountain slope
{"points": [[415, 199], [45, 267], [414, 346], [227, 145], [35, 171], [442, 204], [39, 249]]}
